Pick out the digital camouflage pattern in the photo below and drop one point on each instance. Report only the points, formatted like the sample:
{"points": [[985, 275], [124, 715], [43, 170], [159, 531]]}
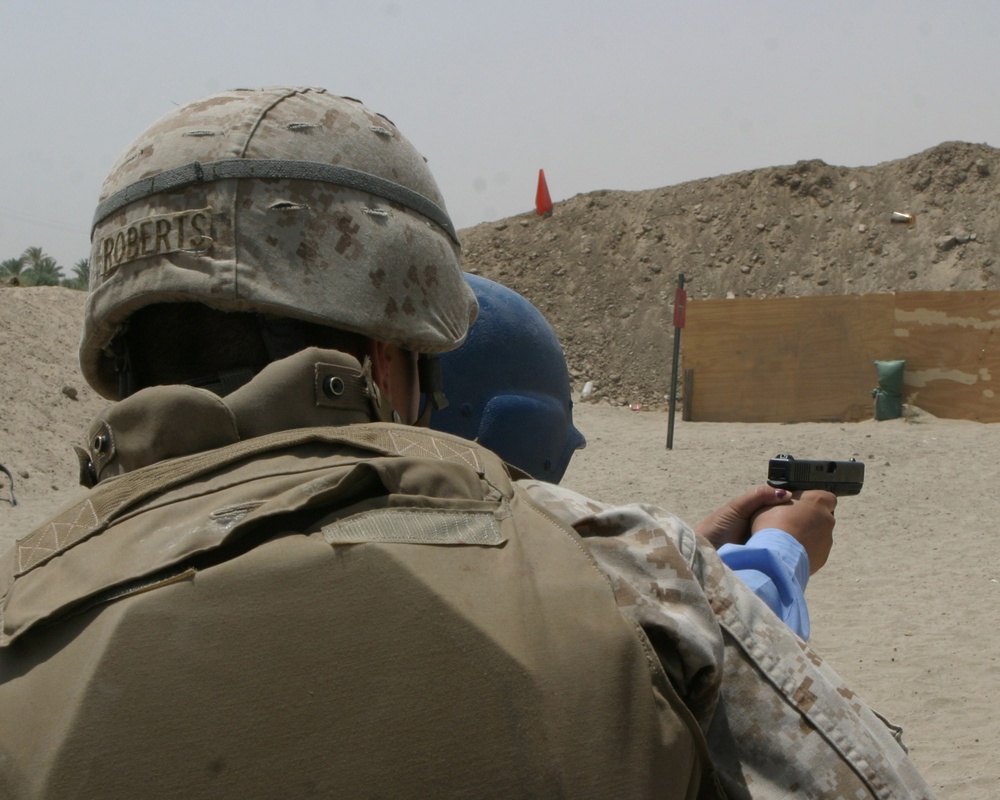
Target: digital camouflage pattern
{"points": [[779, 723], [289, 201]]}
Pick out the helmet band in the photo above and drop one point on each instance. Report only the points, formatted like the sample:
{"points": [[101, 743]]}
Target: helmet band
{"points": [[262, 169]]}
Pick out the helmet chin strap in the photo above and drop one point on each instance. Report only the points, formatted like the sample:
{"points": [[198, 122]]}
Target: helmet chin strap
{"points": [[123, 364], [429, 377]]}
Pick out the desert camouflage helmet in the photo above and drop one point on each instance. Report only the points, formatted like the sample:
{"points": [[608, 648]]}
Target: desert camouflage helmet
{"points": [[285, 201]]}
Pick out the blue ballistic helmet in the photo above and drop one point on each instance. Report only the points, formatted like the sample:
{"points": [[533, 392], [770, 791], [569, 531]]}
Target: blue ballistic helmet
{"points": [[508, 385]]}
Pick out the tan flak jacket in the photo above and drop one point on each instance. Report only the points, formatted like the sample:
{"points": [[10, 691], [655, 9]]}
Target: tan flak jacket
{"points": [[272, 595]]}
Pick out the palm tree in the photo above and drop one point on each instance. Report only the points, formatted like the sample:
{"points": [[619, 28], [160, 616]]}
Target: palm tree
{"points": [[41, 270], [12, 266], [33, 255], [81, 275]]}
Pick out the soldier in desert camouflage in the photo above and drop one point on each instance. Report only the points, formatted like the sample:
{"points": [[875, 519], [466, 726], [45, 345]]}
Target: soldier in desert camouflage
{"points": [[526, 416], [279, 586]]}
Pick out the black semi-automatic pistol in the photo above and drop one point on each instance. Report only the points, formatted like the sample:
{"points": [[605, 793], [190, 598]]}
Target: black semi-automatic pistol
{"points": [[800, 474]]}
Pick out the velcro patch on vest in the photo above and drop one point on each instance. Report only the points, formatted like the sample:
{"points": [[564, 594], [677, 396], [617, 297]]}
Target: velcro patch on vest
{"points": [[417, 526], [182, 231], [56, 535], [417, 443]]}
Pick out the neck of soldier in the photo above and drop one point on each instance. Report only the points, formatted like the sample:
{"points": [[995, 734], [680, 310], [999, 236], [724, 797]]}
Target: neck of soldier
{"points": [[395, 371]]}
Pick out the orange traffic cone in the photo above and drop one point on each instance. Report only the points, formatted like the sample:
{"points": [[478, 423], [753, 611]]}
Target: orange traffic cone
{"points": [[543, 203]]}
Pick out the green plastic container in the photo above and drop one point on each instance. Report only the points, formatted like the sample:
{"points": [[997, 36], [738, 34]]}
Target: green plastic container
{"points": [[889, 394]]}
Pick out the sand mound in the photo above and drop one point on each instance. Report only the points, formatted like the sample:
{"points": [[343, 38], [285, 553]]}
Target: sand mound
{"points": [[604, 266]]}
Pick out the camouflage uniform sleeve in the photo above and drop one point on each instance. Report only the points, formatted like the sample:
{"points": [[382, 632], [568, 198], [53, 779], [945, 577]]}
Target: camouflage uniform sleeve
{"points": [[778, 721]]}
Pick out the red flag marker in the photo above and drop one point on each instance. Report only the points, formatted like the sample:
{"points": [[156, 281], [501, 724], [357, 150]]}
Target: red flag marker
{"points": [[680, 307], [543, 203]]}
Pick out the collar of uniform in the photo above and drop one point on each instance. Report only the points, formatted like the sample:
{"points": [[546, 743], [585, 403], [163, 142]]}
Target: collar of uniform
{"points": [[311, 388]]}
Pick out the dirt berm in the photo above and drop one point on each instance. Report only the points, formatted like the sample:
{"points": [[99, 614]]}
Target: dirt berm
{"points": [[604, 266]]}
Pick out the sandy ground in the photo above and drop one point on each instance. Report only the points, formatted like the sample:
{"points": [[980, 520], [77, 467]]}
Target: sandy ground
{"points": [[907, 607]]}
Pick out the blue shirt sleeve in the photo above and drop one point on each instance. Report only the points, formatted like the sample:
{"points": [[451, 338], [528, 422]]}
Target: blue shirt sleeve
{"points": [[776, 568]]}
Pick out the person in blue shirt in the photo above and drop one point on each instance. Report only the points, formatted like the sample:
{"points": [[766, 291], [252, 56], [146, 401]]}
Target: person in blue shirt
{"points": [[521, 408], [760, 537]]}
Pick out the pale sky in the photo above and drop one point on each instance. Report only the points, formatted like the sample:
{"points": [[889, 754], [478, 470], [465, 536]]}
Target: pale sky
{"points": [[629, 94]]}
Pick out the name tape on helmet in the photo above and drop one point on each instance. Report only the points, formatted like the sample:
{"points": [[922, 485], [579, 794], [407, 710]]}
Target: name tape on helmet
{"points": [[182, 231]]}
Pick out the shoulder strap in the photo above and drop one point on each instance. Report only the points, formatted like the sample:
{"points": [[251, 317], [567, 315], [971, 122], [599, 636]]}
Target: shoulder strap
{"points": [[111, 499]]}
